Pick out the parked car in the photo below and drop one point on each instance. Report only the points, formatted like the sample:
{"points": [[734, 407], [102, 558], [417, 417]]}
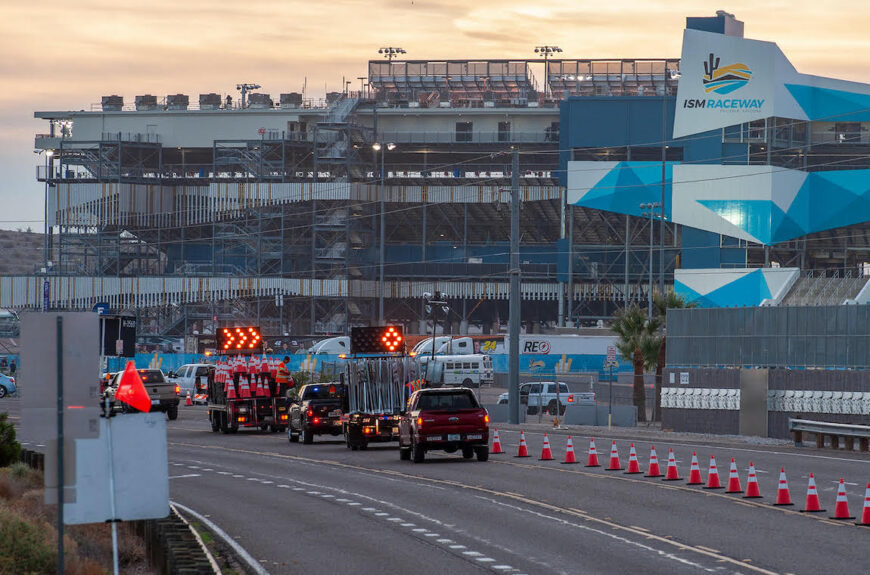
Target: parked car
{"points": [[164, 395], [7, 385], [444, 419], [318, 411], [543, 395]]}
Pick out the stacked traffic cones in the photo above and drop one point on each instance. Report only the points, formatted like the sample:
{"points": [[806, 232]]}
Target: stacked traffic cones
{"points": [[546, 453], [713, 476], [695, 472], [633, 465], [614, 459], [752, 490], [671, 473], [592, 459], [865, 515], [188, 400], [244, 388], [654, 470], [496, 444], [841, 507], [783, 497], [569, 452], [229, 388], [523, 450], [812, 504], [733, 479]]}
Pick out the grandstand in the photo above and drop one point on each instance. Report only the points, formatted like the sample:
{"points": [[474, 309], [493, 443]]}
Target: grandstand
{"points": [[192, 215]]}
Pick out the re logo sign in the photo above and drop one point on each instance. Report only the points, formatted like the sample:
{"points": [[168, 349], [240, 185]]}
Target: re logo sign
{"points": [[534, 346]]}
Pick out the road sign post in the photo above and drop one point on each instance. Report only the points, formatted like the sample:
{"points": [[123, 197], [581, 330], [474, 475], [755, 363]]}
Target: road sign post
{"points": [[610, 363]]}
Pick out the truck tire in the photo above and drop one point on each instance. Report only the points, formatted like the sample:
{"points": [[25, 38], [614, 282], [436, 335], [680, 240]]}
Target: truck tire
{"points": [[482, 452], [555, 408], [467, 452], [467, 382], [418, 454], [307, 436], [404, 453], [213, 416], [172, 412], [293, 437], [222, 417]]}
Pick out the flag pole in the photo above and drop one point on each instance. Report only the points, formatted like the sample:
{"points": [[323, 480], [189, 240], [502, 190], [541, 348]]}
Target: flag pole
{"points": [[113, 520]]}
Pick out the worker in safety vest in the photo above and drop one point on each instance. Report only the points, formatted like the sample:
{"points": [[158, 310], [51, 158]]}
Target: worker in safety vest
{"points": [[283, 379]]}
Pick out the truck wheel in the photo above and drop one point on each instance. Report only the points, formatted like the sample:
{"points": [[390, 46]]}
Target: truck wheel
{"points": [[307, 436], [404, 453], [418, 454], [294, 437], [215, 421], [482, 453], [222, 417], [467, 382], [467, 452], [554, 407], [172, 412]]}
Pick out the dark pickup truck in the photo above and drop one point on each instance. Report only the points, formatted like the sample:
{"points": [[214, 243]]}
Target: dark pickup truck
{"points": [[163, 394], [317, 412], [444, 419]]}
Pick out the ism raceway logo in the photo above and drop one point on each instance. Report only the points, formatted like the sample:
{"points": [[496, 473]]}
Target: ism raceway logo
{"points": [[724, 80]]}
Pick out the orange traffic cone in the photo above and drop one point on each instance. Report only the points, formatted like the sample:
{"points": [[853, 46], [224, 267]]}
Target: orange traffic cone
{"points": [[865, 515], [812, 505], [733, 479], [713, 476], [752, 491], [783, 497], [633, 465], [592, 459], [523, 450], [188, 400], [841, 508], [654, 470], [695, 472], [244, 388], [614, 459], [496, 444], [229, 389], [671, 473], [546, 454], [569, 452]]}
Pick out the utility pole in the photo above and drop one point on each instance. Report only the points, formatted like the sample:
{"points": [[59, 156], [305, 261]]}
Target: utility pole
{"points": [[514, 351]]}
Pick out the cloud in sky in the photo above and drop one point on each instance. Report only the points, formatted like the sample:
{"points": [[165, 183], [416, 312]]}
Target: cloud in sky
{"points": [[66, 55]]}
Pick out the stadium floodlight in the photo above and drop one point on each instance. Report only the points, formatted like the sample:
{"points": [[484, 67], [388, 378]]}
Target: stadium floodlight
{"points": [[376, 147], [546, 51], [391, 52], [244, 89]]}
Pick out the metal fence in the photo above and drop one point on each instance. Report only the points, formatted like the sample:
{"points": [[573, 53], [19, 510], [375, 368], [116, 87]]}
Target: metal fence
{"points": [[794, 337]]}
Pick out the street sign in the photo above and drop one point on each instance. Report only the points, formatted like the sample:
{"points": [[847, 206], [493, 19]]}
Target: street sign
{"points": [[116, 328], [101, 308], [611, 354]]}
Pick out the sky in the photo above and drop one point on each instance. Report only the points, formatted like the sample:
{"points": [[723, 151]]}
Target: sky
{"points": [[65, 55]]}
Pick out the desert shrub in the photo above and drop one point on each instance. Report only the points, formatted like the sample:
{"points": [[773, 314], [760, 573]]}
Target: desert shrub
{"points": [[9, 446], [27, 547]]}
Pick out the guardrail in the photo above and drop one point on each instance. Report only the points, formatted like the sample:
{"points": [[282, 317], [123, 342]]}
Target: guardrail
{"points": [[849, 433]]}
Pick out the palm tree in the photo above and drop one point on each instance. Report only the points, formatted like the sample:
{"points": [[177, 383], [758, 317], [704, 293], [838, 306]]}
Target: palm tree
{"points": [[661, 304], [638, 343]]}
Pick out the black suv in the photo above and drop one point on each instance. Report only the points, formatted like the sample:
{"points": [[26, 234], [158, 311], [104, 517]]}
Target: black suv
{"points": [[318, 411]]}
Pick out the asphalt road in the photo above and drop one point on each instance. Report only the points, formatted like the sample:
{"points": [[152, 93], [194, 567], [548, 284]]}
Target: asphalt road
{"points": [[323, 507]]}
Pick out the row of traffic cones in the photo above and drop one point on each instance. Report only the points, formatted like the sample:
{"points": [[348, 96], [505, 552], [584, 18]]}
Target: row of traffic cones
{"points": [[783, 496]]}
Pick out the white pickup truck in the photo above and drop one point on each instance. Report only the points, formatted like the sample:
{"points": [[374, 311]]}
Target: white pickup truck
{"points": [[543, 395]]}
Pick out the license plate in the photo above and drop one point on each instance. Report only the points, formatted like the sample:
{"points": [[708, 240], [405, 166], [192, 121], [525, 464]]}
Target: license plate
{"points": [[434, 438], [335, 413], [453, 437], [474, 436], [155, 402]]}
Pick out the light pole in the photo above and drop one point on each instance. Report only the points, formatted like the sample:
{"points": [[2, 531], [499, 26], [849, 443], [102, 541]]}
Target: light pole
{"points": [[546, 51], [431, 302], [48, 165], [650, 210], [378, 147], [390, 52], [244, 89]]}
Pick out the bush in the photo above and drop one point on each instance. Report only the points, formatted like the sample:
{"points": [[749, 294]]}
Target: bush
{"points": [[27, 547], [10, 449]]}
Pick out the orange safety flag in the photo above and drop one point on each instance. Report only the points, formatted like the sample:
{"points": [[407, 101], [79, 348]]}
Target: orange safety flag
{"points": [[131, 391]]}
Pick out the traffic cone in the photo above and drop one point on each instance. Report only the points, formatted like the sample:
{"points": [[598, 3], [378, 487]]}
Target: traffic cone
{"points": [[865, 515], [783, 497], [592, 459], [229, 389], [188, 401], [752, 491], [633, 465], [496, 444], [812, 505], [614, 458], [713, 476], [671, 473], [523, 451], [569, 452], [654, 470], [244, 388], [733, 479], [695, 472], [841, 508], [546, 454]]}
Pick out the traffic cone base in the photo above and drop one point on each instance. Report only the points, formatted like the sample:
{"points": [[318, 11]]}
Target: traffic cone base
{"points": [[633, 465], [671, 473], [496, 444], [841, 508], [614, 459], [523, 450], [546, 452], [569, 452], [592, 460], [653, 470]]}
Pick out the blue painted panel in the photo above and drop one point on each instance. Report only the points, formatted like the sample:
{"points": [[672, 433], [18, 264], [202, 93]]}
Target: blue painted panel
{"points": [[700, 249], [831, 105]]}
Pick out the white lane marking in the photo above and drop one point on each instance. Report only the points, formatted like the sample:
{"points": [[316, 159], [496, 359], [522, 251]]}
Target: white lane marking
{"points": [[175, 464], [394, 519], [502, 567], [208, 469], [473, 553], [253, 478], [327, 496], [369, 509], [193, 466], [342, 500], [431, 535], [354, 503], [266, 482], [420, 530], [237, 476], [485, 559], [298, 489], [445, 541], [407, 524], [381, 514], [457, 547], [285, 486], [224, 473], [313, 492], [183, 476]]}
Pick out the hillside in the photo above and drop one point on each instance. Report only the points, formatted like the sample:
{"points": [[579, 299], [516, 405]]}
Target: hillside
{"points": [[20, 252]]}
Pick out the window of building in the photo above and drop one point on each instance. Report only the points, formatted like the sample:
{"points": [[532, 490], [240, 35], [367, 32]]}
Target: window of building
{"points": [[504, 131], [847, 132], [464, 131]]}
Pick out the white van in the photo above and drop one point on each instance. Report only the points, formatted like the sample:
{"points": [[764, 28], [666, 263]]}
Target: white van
{"points": [[458, 370]]}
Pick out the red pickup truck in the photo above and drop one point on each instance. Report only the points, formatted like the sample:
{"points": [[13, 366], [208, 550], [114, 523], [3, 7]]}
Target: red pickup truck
{"points": [[444, 419]]}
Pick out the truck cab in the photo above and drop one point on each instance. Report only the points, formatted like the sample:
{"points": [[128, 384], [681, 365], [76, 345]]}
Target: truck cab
{"points": [[317, 412]]}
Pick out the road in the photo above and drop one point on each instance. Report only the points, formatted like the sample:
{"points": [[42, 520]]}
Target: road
{"points": [[323, 507]]}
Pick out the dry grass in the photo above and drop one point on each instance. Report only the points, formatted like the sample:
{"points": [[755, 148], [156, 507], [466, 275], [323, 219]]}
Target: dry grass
{"points": [[27, 528]]}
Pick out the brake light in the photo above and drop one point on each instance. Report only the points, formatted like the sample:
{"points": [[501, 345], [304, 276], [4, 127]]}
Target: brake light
{"points": [[310, 413], [571, 398], [419, 422], [486, 418], [177, 389], [316, 420], [284, 417], [241, 419]]}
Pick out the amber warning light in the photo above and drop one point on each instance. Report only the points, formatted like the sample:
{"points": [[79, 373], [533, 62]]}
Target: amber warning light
{"points": [[245, 338], [385, 339]]}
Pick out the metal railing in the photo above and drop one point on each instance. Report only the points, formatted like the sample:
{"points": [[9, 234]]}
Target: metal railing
{"points": [[835, 431], [454, 137]]}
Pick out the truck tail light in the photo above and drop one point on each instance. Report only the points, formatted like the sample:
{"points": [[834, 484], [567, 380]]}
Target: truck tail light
{"points": [[316, 420], [310, 413], [177, 390], [571, 398], [419, 422], [241, 419], [486, 418], [284, 417]]}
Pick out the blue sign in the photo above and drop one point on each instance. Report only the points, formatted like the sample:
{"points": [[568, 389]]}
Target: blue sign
{"points": [[101, 308]]}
